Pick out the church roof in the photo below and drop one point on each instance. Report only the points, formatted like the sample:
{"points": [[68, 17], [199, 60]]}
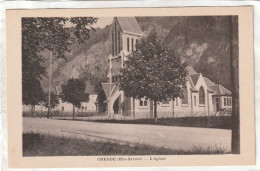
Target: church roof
{"points": [[105, 87], [220, 90], [209, 84], [129, 24], [195, 78], [191, 70], [217, 89], [191, 84], [89, 89]]}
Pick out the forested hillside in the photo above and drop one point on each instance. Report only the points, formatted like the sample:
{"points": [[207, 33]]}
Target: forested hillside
{"points": [[203, 42]]}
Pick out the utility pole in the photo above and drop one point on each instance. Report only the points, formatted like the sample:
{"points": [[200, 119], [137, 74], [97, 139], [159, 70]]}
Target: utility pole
{"points": [[49, 98], [110, 82]]}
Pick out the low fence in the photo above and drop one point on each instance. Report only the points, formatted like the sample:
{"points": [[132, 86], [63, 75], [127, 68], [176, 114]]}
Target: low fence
{"points": [[104, 116], [60, 114]]}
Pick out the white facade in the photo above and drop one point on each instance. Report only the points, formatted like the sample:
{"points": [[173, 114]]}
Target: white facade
{"points": [[89, 106], [65, 107]]}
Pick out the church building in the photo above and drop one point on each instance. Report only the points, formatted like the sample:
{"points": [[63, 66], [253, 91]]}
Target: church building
{"points": [[202, 97]]}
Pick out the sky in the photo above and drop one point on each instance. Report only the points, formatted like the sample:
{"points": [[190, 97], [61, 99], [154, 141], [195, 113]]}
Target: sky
{"points": [[103, 22]]}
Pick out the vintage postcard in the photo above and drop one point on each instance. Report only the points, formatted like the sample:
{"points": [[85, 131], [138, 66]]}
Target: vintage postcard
{"points": [[128, 87]]}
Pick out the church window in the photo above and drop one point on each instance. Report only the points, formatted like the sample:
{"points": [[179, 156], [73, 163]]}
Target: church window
{"points": [[185, 96], [194, 100], [113, 79], [143, 103], [119, 42], [113, 44], [115, 41], [201, 96], [128, 44], [132, 44]]}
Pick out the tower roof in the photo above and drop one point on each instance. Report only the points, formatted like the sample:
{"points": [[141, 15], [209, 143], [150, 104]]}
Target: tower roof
{"points": [[129, 25]]}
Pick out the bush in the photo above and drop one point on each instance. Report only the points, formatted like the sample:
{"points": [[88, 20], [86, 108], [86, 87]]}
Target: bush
{"points": [[225, 112], [223, 122]]}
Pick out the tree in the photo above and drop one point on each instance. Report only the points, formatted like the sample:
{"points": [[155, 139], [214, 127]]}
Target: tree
{"points": [[54, 101], [234, 66], [33, 93], [74, 92], [153, 71], [54, 34]]}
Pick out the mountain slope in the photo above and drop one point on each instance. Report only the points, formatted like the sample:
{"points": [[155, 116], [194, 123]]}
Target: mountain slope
{"points": [[203, 42]]}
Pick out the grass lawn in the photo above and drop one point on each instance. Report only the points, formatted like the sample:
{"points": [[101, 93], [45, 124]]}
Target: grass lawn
{"points": [[221, 122], [46, 145]]}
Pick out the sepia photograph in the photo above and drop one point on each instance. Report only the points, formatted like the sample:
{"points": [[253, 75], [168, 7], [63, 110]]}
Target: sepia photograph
{"points": [[131, 88], [129, 85]]}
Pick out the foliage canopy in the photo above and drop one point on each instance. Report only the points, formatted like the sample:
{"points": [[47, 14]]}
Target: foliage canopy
{"points": [[33, 93], [54, 100], [74, 92], [54, 34], [153, 71]]}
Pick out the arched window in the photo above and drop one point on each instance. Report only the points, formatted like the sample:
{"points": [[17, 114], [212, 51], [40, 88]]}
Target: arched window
{"points": [[113, 44], [132, 44], [119, 43], [128, 44], [115, 40], [201, 96], [185, 96]]}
